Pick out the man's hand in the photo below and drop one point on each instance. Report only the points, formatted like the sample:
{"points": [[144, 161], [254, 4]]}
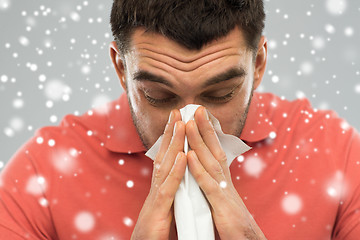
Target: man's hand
{"points": [[208, 164], [169, 167]]}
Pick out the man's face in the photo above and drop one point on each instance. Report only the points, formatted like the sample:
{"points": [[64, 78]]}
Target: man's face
{"points": [[162, 75]]}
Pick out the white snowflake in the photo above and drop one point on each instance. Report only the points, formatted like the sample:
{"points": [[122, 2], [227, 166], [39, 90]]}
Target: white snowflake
{"points": [[84, 221], [336, 7], [291, 204], [254, 166]]}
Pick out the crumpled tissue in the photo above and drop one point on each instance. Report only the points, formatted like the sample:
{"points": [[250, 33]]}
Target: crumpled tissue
{"points": [[191, 209]]}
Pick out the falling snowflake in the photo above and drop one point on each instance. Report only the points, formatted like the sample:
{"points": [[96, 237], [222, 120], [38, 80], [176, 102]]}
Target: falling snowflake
{"points": [[336, 7], [291, 204], [56, 89], [36, 185], [130, 184], [128, 221], [84, 221], [65, 160], [100, 103], [254, 166]]}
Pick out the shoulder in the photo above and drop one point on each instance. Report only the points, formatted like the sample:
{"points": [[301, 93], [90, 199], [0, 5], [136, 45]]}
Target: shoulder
{"points": [[298, 122], [301, 116]]}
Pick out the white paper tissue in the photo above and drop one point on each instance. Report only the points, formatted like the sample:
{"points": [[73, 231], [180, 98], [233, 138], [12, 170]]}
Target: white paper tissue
{"points": [[191, 209]]}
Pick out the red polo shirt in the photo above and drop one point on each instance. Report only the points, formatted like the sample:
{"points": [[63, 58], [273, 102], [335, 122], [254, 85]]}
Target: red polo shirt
{"points": [[88, 177]]}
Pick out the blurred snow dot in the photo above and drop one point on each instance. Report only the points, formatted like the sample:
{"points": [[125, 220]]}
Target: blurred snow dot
{"points": [[272, 135], [300, 94], [72, 40], [51, 142], [272, 44], [128, 221], [307, 68], [49, 104], [86, 3], [73, 152], [17, 124], [41, 180], [330, 28], [318, 43], [1, 164], [43, 202], [357, 89], [53, 118], [63, 161], [275, 79], [223, 184], [344, 125], [100, 103], [39, 140], [145, 171], [75, 16], [254, 166], [4, 78], [4, 4], [42, 78], [291, 204], [130, 184], [89, 133], [18, 103], [33, 67], [48, 43], [349, 31], [55, 89], [323, 105], [9, 132], [85, 69], [31, 21], [121, 161], [66, 97], [332, 192], [240, 158], [336, 7], [24, 41], [36, 185], [109, 236], [84, 221]]}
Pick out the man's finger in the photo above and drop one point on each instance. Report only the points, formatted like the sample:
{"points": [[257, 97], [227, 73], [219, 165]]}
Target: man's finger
{"points": [[176, 145], [166, 191], [210, 164], [211, 188], [211, 139]]}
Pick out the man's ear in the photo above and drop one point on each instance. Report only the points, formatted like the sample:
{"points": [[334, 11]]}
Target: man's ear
{"points": [[260, 62], [118, 63]]}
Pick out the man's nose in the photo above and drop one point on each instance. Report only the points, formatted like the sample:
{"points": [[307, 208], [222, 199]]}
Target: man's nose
{"points": [[187, 101]]}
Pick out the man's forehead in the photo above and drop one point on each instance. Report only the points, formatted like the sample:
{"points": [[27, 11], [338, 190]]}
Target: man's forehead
{"points": [[142, 41]]}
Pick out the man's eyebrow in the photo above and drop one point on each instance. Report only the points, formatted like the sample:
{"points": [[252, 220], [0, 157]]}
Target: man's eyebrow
{"points": [[236, 72]]}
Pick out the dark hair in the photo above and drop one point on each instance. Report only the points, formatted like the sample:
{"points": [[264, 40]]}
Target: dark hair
{"points": [[191, 23]]}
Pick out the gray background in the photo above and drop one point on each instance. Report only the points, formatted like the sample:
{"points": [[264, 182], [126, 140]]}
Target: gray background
{"points": [[54, 60]]}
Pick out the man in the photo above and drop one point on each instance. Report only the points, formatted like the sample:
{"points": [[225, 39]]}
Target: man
{"points": [[89, 177]]}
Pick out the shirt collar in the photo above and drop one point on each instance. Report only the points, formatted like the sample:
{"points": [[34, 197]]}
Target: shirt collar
{"points": [[123, 137]]}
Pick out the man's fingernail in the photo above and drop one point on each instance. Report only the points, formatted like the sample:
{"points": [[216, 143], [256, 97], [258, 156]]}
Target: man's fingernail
{"points": [[171, 116], [175, 126], [206, 114]]}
